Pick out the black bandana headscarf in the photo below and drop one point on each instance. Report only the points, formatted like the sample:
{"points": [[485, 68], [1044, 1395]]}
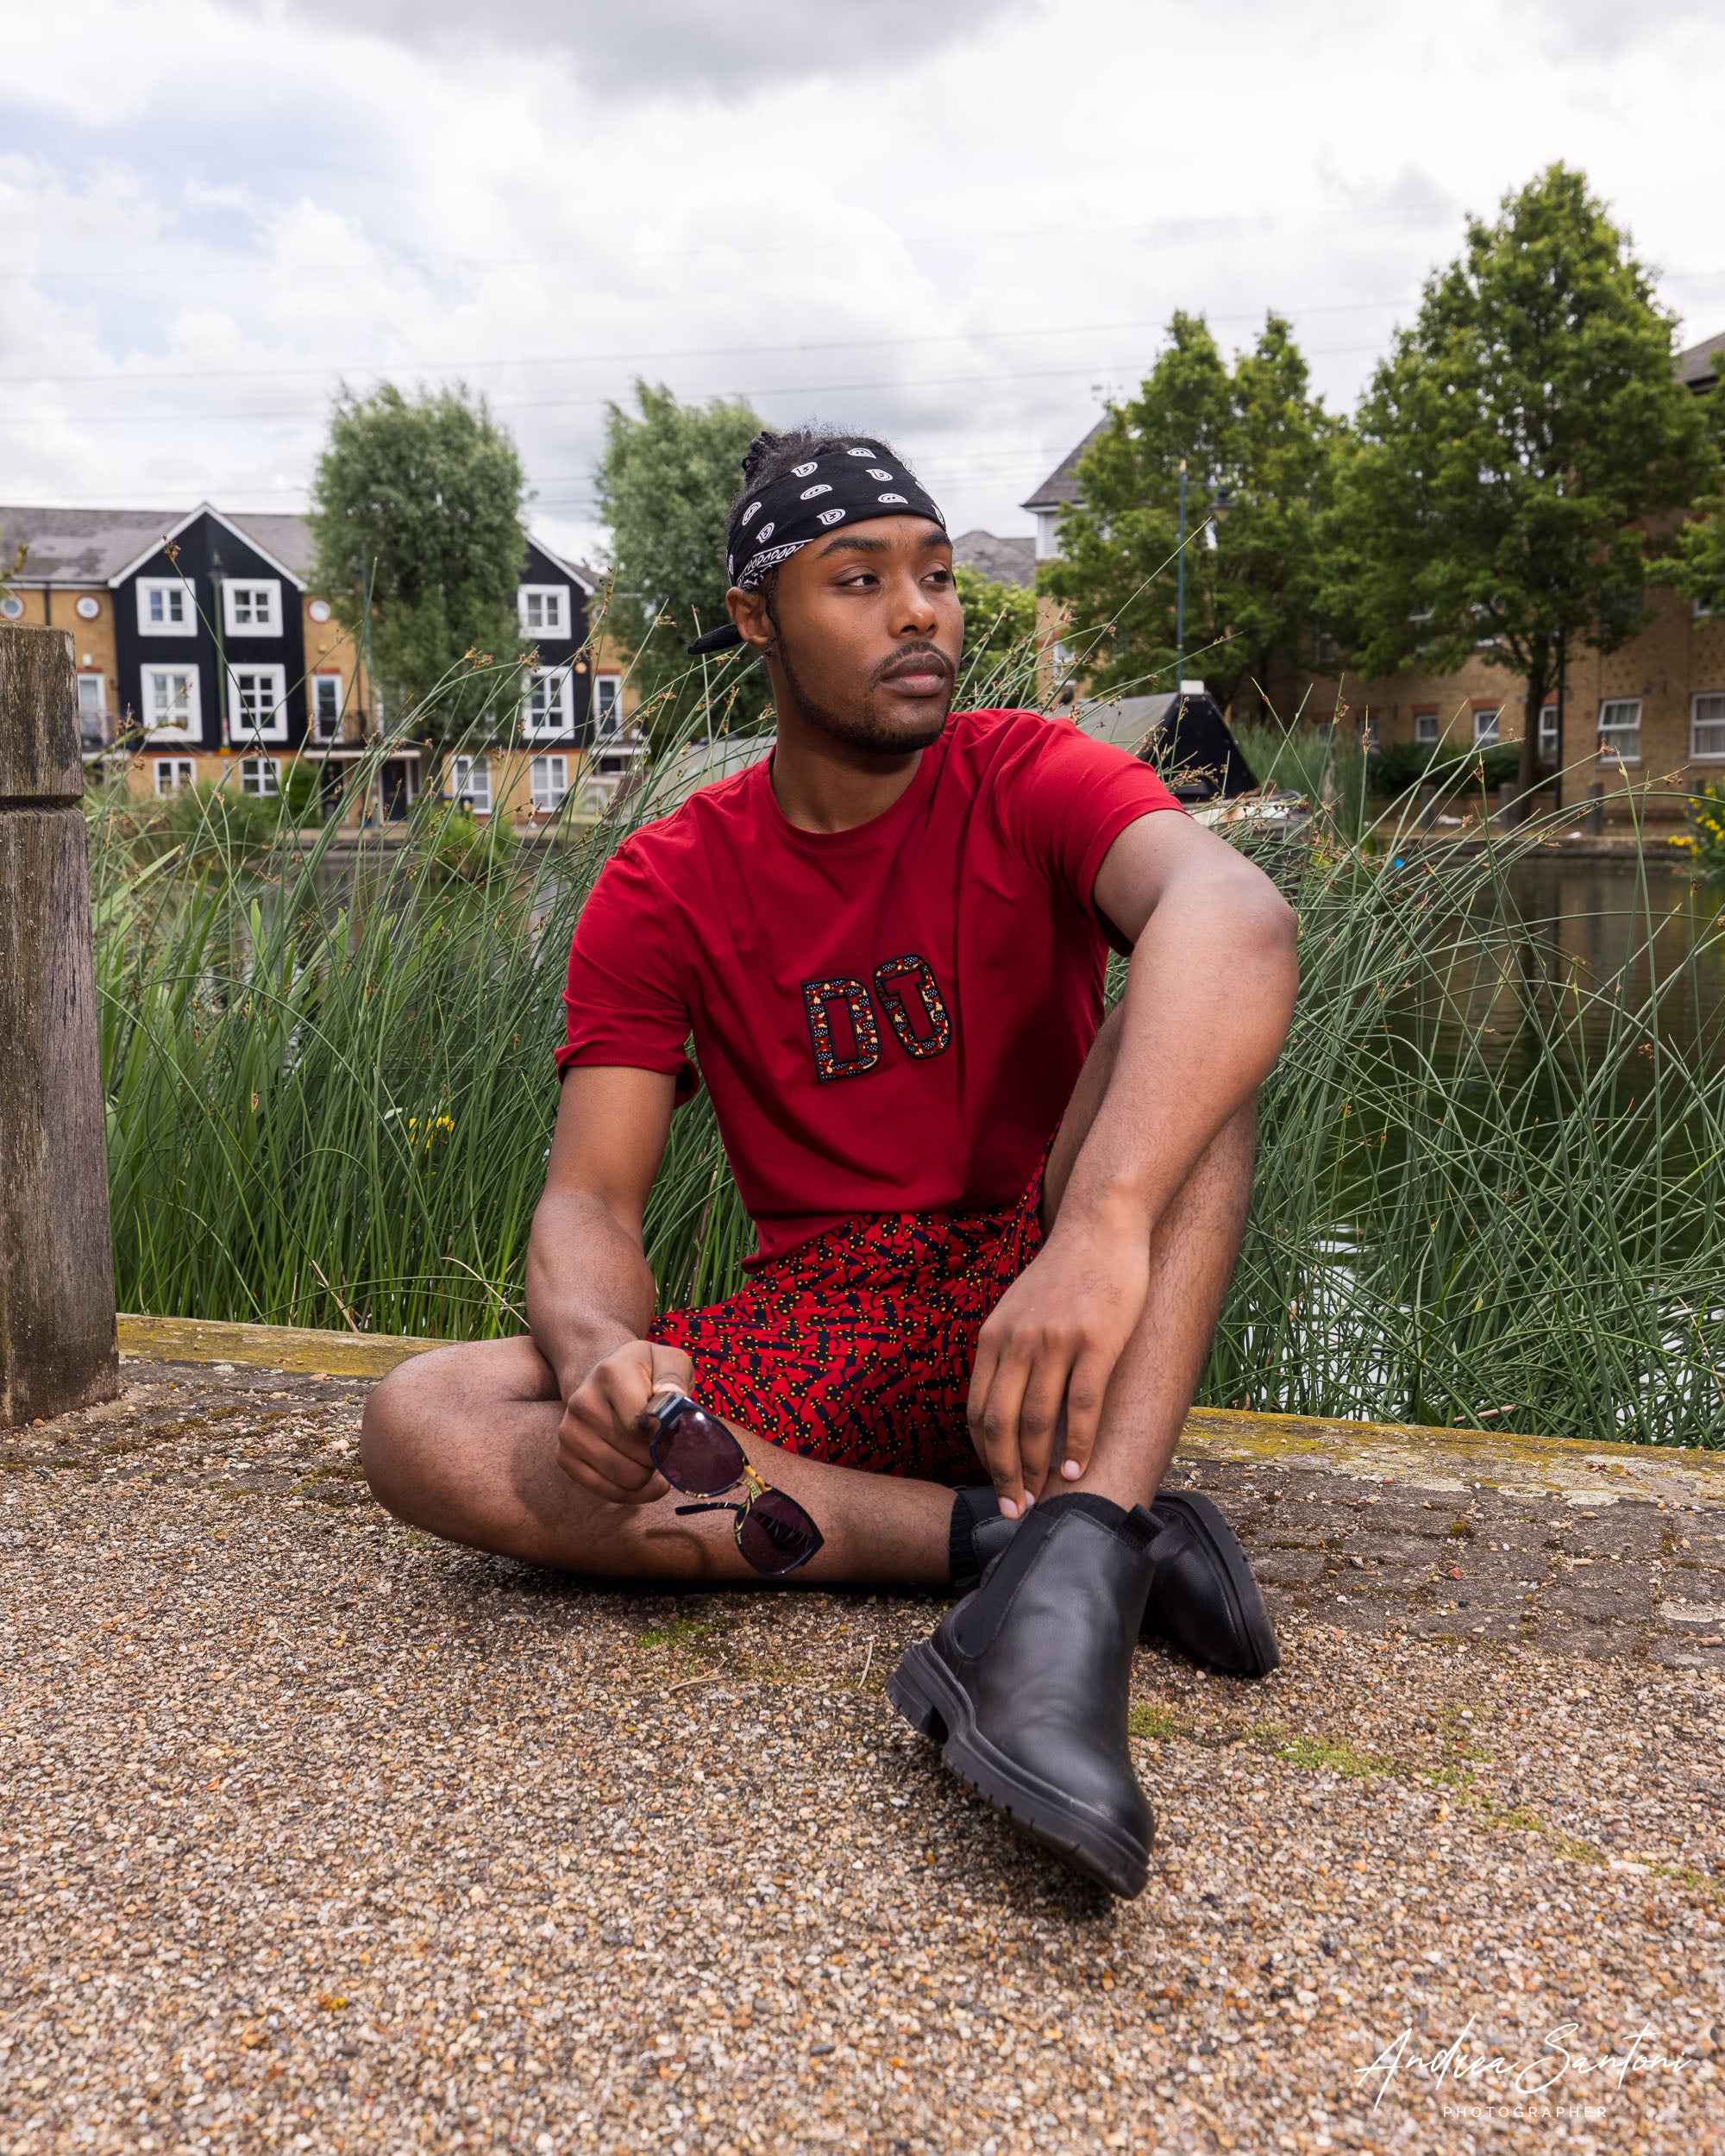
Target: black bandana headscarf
{"points": [[845, 485]]}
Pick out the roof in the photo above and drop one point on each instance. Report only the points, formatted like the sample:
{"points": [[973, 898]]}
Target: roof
{"points": [[98, 545], [1699, 365], [1011, 559], [1062, 484], [81, 546]]}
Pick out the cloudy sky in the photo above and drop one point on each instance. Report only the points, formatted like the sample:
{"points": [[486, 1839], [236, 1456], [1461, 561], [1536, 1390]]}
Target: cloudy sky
{"points": [[960, 227]]}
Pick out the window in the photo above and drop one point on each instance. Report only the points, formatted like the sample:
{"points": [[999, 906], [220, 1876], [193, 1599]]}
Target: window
{"points": [[93, 710], [326, 707], [260, 775], [173, 774], [1620, 728], [87, 608], [166, 607], [551, 780], [607, 703], [11, 607], [544, 609], [1548, 733], [252, 608], [1486, 730], [257, 703], [549, 705], [1426, 728], [1707, 726], [473, 783], [1325, 651], [171, 702]]}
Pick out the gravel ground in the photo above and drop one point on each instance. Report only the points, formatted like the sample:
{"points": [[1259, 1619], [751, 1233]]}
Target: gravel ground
{"points": [[319, 1835]]}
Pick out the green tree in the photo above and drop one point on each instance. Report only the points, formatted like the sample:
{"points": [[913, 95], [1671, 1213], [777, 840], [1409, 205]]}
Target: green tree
{"points": [[665, 481], [1507, 451], [417, 538], [998, 665], [1258, 445], [1695, 564]]}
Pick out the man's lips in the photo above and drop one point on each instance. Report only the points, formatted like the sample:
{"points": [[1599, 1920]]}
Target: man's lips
{"points": [[924, 674]]}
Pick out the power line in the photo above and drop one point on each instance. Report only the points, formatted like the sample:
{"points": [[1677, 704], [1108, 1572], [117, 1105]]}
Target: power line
{"points": [[695, 352], [782, 389]]}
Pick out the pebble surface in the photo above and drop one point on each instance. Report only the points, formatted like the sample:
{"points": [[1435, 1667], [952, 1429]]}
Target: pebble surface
{"points": [[318, 1835]]}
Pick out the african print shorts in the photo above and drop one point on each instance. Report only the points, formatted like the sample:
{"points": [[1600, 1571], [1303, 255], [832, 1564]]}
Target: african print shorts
{"points": [[856, 1346]]}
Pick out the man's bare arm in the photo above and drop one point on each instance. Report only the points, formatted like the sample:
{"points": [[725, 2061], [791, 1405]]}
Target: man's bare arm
{"points": [[590, 1291], [1209, 995]]}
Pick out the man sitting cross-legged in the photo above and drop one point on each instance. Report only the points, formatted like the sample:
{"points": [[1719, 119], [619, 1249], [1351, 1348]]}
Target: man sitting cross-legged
{"points": [[993, 1227]]}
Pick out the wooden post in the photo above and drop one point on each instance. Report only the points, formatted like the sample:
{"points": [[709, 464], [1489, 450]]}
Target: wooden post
{"points": [[58, 1348]]}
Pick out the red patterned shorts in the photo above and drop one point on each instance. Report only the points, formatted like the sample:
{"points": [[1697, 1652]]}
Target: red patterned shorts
{"points": [[856, 1346]]}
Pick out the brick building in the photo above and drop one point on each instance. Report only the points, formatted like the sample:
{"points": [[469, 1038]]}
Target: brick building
{"points": [[205, 654], [1652, 714]]}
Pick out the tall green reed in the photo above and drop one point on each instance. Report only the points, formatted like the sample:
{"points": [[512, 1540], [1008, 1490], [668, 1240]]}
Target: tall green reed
{"points": [[1488, 1185]]}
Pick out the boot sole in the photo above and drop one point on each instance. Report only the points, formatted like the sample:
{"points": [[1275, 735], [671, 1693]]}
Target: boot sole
{"points": [[1224, 1547], [930, 1701]]}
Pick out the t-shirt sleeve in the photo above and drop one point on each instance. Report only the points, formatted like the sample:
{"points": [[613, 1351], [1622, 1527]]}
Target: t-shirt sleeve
{"points": [[1068, 798], [624, 1000]]}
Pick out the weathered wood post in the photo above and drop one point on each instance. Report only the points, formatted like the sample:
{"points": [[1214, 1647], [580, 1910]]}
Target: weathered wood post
{"points": [[57, 1341]]}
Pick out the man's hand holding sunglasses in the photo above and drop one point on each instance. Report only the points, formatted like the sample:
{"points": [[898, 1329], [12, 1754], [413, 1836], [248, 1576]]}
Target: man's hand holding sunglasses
{"points": [[602, 1441]]}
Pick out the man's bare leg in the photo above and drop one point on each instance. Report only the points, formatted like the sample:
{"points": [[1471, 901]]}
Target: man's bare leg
{"points": [[463, 1442]]}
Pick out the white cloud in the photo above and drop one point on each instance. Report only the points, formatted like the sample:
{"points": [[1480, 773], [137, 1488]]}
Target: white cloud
{"points": [[671, 46]]}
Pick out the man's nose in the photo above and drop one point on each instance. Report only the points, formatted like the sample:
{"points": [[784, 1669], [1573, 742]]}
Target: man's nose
{"points": [[913, 609]]}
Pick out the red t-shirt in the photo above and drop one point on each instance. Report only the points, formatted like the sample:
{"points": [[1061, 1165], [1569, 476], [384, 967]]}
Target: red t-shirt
{"points": [[889, 1018]]}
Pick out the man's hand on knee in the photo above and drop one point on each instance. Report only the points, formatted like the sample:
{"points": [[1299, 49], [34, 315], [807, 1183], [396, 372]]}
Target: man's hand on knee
{"points": [[1047, 1352], [601, 1442]]}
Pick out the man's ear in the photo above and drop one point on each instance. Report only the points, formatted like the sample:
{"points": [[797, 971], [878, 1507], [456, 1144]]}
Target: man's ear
{"points": [[749, 611]]}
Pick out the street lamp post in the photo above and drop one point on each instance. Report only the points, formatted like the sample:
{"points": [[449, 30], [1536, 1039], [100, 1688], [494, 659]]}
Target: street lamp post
{"points": [[1179, 596]]}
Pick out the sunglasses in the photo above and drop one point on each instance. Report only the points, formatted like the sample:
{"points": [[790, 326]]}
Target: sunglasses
{"points": [[695, 1452]]}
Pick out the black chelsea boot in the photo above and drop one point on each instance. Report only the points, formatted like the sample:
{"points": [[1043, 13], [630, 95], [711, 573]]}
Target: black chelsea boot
{"points": [[1203, 1598], [1024, 1685]]}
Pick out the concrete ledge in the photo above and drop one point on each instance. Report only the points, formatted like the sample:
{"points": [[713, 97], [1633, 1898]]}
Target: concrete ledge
{"points": [[1428, 1458]]}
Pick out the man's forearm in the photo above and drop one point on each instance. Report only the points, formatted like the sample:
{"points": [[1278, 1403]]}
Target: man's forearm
{"points": [[589, 1287], [1209, 993]]}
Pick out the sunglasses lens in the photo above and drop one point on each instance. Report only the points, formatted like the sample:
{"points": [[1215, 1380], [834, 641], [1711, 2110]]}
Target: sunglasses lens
{"points": [[697, 1453], [777, 1535]]}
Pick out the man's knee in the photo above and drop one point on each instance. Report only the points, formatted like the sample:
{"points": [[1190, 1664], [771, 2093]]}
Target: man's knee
{"points": [[393, 1431]]}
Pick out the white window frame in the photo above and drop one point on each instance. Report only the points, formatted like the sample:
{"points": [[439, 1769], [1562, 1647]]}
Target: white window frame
{"points": [[602, 729], [1549, 733], [95, 706], [1626, 730], [260, 777], [241, 735], [270, 587], [314, 717], [1422, 738], [548, 790], [1486, 736], [471, 784], [173, 591], [1713, 725], [559, 722], [179, 772], [552, 598], [192, 729]]}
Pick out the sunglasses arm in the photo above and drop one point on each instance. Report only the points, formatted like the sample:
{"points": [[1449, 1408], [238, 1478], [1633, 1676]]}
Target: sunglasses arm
{"points": [[715, 1507]]}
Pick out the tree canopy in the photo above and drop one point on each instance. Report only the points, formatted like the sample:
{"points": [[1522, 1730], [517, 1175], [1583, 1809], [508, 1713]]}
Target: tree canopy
{"points": [[999, 663], [1504, 458], [665, 481], [1258, 444], [418, 540]]}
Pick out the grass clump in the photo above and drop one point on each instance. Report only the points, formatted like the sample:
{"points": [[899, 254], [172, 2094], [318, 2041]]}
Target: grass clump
{"points": [[1155, 1723], [1320, 1755], [1488, 1193]]}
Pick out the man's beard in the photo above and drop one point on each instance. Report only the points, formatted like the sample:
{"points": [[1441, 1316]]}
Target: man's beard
{"points": [[861, 727]]}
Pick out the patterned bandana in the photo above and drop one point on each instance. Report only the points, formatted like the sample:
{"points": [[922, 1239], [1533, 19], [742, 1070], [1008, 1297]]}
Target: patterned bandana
{"points": [[840, 486]]}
